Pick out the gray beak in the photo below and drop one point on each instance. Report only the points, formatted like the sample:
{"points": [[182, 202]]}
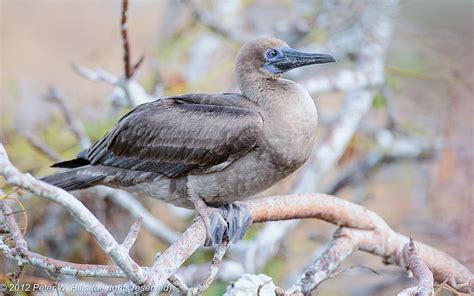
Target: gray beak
{"points": [[292, 59]]}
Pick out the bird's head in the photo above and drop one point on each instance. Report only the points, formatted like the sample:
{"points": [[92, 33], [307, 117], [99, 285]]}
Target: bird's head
{"points": [[272, 57]]}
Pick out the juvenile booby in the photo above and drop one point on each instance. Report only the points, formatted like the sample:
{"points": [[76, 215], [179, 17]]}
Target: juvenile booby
{"points": [[209, 151]]}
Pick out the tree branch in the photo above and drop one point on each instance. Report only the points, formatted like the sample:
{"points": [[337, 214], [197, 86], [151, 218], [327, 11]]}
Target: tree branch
{"points": [[213, 269], [129, 92], [72, 122], [11, 224], [366, 230], [126, 46], [336, 252], [209, 21], [420, 270], [106, 241], [132, 234], [42, 147], [126, 201]]}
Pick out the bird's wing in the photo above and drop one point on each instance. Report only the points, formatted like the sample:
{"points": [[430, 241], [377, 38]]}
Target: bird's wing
{"points": [[175, 136]]}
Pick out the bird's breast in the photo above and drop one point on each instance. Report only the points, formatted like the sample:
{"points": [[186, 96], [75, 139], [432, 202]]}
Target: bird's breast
{"points": [[290, 129]]}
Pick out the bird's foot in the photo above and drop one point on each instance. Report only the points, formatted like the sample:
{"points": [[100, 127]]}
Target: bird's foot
{"points": [[229, 222]]}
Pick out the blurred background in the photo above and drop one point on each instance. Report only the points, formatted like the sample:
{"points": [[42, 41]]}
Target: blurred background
{"points": [[423, 96]]}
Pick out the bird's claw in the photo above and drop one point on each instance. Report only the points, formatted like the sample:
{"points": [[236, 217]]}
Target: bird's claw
{"points": [[229, 222]]}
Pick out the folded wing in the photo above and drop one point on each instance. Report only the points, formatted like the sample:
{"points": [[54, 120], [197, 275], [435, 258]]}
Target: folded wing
{"points": [[176, 136]]}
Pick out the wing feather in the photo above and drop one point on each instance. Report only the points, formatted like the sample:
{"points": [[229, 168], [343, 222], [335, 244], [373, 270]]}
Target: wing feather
{"points": [[174, 136]]}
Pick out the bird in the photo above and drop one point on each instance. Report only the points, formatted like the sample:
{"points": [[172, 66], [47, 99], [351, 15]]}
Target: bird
{"points": [[209, 152]]}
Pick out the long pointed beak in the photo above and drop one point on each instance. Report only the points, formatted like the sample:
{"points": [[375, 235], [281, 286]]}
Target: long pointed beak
{"points": [[292, 59]]}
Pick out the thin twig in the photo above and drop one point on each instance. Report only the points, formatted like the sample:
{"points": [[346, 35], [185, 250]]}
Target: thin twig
{"points": [[59, 266], [128, 92], [128, 202], [13, 227], [132, 234], [18, 271], [95, 75], [43, 148], [126, 47], [73, 123], [213, 269], [128, 69], [211, 22]]}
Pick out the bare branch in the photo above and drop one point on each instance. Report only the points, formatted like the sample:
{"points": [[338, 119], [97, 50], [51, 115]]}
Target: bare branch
{"points": [[132, 234], [336, 252], [106, 241], [367, 229], [128, 92], [95, 75], [179, 284], [11, 224], [126, 47], [420, 270], [59, 266], [345, 80], [370, 231], [126, 201], [138, 64], [18, 271], [22, 255], [129, 70], [214, 268], [73, 123], [42, 148], [208, 20]]}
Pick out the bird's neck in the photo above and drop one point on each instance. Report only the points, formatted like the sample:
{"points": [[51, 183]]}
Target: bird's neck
{"points": [[256, 86], [284, 100]]}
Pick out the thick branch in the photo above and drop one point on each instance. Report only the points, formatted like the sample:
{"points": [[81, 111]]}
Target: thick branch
{"points": [[368, 229]]}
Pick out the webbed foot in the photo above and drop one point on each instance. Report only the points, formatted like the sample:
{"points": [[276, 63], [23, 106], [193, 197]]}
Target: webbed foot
{"points": [[229, 221]]}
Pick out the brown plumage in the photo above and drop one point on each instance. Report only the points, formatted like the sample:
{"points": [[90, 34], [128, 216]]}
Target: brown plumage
{"points": [[155, 138], [214, 149]]}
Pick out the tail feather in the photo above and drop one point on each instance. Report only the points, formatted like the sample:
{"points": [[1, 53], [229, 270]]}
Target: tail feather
{"points": [[73, 179], [73, 163]]}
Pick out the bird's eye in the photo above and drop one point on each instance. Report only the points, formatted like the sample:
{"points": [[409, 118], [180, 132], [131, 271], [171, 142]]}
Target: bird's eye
{"points": [[272, 53]]}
